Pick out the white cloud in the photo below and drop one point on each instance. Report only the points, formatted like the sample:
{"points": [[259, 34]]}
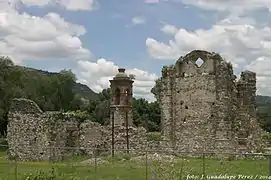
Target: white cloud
{"points": [[151, 1], [97, 75], [263, 71], [234, 40], [26, 37], [160, 50], [169, 29], [36, 2], [138, 20], [72, 5], [238, 39], [155, 1], [229, 5]]}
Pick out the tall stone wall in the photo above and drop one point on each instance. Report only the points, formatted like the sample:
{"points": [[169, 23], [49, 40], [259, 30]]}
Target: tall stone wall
{"points": [[247, 118], [204, 108], [36, 135], [25, 131]]}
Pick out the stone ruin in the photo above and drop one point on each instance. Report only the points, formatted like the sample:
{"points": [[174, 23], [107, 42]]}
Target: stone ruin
{"points": [[204, 107], [34, 135]]}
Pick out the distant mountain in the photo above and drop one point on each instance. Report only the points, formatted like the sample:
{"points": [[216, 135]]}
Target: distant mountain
{"points": [[85, 92], [263, 100], [81, 89], [263, 104]]}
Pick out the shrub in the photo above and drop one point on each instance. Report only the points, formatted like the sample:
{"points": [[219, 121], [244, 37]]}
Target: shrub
{"points": [[154, 136]]}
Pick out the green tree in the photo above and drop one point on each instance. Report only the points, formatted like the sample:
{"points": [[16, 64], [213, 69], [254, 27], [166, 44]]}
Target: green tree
{"points": [[10, 85]]}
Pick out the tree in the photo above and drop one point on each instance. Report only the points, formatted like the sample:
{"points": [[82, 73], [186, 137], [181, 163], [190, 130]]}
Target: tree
{"points": [[9, 88], [146, 114]]}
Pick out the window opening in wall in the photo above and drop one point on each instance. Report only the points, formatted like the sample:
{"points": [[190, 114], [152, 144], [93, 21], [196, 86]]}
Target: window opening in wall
{"points": [[199, 62], [117, 95], [127, 92], [71, 139], [186, 107], [213, 103]]}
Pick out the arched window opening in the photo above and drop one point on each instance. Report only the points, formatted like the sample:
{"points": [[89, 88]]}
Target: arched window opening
{"points": [[127, 96], [117, 95]]}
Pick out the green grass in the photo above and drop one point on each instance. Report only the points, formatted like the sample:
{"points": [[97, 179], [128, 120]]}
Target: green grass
{"points": [[125, 169]]}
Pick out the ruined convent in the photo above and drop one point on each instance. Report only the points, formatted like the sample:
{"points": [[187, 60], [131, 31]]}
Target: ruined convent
{"points": [[204, 109]]}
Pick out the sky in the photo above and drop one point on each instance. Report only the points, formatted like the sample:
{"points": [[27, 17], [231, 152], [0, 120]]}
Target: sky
{"points": [[94, 38]]}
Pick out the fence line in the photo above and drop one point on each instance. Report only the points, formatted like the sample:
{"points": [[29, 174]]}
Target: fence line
{"points": [[186, 168], [152, 150]]}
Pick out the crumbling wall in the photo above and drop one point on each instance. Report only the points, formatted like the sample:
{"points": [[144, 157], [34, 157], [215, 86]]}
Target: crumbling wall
{"points": [[249, 132], [62, 133], [166, 85], [25, 131], [194, 100], [224, 109], [34, 135], [203, 107]]}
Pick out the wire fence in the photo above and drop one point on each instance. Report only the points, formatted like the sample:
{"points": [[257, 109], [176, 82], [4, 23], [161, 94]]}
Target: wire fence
{"points": [[135, 165]]}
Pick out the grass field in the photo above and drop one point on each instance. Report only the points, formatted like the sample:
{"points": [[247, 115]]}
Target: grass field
{"points": [[130, 170]]}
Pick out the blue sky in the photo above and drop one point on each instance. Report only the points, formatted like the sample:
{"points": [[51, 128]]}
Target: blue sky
{"points": [[95, 37], [111, 33]]}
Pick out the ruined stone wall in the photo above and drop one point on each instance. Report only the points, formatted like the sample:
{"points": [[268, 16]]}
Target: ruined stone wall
{"points": [[248, 126], [62, 134], [166, 102], [34, 135], [120, 115], [194, 98], [224, 109], [25, 131], [202, 106]]}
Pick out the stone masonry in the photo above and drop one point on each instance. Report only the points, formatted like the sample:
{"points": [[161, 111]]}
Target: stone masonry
{"points": [[34, 135], [204, 107], [121, 100]]}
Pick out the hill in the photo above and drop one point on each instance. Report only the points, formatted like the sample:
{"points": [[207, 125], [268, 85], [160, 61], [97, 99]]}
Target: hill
{"points": [[81, 89], [263, 104]]}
